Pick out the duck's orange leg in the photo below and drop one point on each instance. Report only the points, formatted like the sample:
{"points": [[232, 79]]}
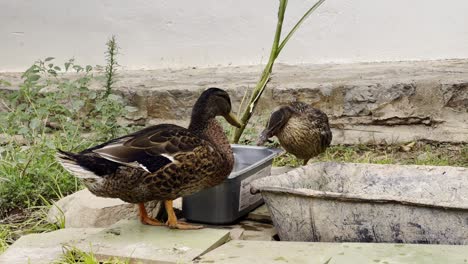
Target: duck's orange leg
{"points": [[172, 219], [145, 219]]}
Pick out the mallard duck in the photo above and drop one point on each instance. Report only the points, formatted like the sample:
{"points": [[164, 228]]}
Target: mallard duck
{"points": [[161, 162], [301, 129]]}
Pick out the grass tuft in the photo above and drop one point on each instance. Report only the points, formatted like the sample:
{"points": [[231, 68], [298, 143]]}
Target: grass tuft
{"points": [[75, 255], [422, 153]]}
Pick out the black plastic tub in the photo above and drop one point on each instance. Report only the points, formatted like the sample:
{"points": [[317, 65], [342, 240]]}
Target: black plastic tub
{"points": [[229, 201]]}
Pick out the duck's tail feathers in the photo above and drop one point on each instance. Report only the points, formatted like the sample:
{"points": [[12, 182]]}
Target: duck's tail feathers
{"points": [[69, 162]]}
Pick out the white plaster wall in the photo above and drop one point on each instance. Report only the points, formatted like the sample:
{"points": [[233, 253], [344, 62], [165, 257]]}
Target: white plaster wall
{"points": [[168, 33]]}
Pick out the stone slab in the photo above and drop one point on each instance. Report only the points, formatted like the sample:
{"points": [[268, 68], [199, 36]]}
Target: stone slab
{"points": [[241, 252], [129, 239], [44, 247], [385, 102]]}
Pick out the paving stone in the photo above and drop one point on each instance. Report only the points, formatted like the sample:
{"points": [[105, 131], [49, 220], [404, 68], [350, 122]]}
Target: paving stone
{"points": [[241, 252], [261, 214], [251, 230], [129, 239], [236, 233], [44, 247]]}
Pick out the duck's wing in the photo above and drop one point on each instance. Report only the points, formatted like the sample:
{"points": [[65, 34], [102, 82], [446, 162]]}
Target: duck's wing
{"points": [[149, 149]]}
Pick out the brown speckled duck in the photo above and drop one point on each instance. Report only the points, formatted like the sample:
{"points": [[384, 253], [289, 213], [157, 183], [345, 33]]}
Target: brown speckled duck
{"points": [[161, 162], [301, 129]]}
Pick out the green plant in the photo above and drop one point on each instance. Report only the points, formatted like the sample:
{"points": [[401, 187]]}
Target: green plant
{"points": [[111, 67], [4, 236], [275, 51], [53, 108]]}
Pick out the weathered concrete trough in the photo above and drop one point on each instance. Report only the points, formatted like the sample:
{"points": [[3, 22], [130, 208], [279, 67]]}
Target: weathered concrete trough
{"points": [[347, 202]]}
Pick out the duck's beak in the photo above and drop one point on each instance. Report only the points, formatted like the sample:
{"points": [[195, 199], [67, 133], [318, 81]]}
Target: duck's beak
{"points": [[232, 119]]}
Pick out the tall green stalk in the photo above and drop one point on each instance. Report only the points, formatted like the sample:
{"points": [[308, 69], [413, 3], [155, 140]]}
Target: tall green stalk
{"points": [[111, 67], [275, 51]]}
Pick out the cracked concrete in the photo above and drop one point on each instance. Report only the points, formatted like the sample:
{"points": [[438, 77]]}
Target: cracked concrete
{"points": [[366, 102]]}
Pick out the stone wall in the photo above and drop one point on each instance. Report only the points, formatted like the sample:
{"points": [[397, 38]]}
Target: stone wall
{"points": [[366, 102]]}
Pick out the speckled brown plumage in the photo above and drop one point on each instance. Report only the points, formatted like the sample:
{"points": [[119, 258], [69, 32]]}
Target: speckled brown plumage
{"points": [[161, 162], [198, 164], [302, 130]]}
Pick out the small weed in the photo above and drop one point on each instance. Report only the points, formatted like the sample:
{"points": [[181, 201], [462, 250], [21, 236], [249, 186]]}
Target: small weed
{"points": [[75, 255], [111, 66]]}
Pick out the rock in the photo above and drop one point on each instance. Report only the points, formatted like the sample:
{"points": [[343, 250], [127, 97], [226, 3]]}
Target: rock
{"points": [[84, 209], [456, 97]]}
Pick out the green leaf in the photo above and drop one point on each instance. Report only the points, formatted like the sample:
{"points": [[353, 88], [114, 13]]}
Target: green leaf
{"points": [[114, 97], [50, 65], [33, 78], [67, 65], [23, 131], [50, 71], [77, 104], [35, 123], [57, 68], [99, 105], [49, 58], [89, 68], [50, 144], [77, 68], [92, 95]]}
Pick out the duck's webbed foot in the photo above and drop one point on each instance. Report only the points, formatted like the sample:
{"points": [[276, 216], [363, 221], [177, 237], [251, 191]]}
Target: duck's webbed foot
{"points": [[172, 219], [145, 219]]}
